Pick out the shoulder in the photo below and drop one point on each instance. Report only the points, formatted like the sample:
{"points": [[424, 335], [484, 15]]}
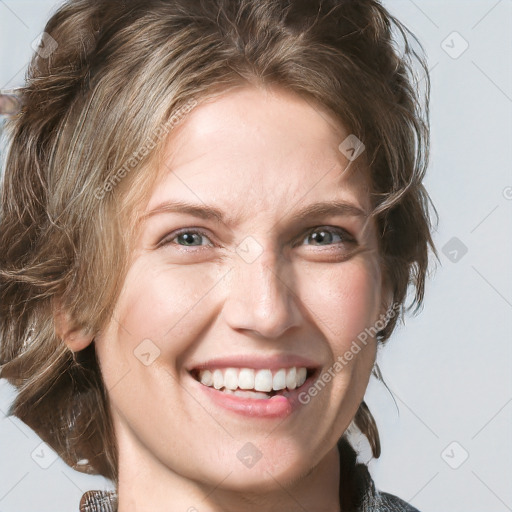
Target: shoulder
{"points": [[392, 503]]}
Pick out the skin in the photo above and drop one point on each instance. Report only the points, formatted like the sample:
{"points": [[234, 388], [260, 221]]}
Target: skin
{"points": [[259, 155]]}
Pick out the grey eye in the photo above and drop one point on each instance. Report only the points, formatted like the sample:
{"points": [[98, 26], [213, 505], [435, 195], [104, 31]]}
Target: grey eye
{"points": [[189, 237], [327, 236]]}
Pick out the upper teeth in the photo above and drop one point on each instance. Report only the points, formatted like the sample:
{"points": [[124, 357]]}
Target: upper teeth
{"points": [[247, 378]]}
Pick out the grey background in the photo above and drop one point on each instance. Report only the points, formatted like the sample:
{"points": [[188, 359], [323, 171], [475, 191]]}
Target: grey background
{"points": [[447, 442]]}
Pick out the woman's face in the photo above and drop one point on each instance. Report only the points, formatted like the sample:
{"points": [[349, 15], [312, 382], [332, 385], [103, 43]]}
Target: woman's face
{"points": [[258, 286]]}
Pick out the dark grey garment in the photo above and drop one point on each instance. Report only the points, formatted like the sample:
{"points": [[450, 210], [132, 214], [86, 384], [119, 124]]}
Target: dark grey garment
{"points": [[99, 501], [357, 490]]}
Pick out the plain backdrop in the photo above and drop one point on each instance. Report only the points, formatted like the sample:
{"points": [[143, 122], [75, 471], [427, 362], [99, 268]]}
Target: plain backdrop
{"points": [[446, 442]]}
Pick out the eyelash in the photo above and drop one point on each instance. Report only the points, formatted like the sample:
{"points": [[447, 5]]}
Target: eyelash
{"points": [[342, 233]]}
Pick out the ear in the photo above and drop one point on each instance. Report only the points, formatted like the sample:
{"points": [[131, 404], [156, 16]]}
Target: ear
{"points": [[75, 339]]}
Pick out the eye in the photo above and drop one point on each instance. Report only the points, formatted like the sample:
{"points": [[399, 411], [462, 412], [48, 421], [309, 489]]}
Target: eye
{"points": [[325, 235], [186, 238], [318, 236]]}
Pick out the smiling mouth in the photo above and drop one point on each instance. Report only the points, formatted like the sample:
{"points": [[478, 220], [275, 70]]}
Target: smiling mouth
{"points": [[254, 383]]}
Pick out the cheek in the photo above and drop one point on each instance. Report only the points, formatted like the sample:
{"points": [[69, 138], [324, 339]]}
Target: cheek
{"points": [[344, 300], [161, 312], [345, 304], [163, 304]]}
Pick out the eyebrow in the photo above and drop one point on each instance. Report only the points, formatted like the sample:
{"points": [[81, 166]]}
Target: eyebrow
{"points": [[202, 211]]}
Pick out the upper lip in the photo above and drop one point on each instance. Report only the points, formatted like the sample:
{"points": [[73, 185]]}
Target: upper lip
{"points": [[273, 362]]}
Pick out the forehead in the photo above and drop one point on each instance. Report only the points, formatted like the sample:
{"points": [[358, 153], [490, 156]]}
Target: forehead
{"points": [[261, 149]]}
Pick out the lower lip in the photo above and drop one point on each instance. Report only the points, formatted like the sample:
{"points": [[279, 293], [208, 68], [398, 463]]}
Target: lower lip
{"points": [[278, 406]]}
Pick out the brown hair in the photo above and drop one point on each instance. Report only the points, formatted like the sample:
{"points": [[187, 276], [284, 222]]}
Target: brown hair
{"points": [[118, 73]]}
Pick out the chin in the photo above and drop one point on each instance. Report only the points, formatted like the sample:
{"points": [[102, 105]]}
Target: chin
{"points": [[262, 481], [269, 473]]}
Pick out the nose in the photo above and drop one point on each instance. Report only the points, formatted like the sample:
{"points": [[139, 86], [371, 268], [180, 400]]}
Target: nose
{"points": [[261, 298]]}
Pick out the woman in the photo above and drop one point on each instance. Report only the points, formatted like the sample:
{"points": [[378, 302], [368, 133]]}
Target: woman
{"points": [[211, 213]]}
